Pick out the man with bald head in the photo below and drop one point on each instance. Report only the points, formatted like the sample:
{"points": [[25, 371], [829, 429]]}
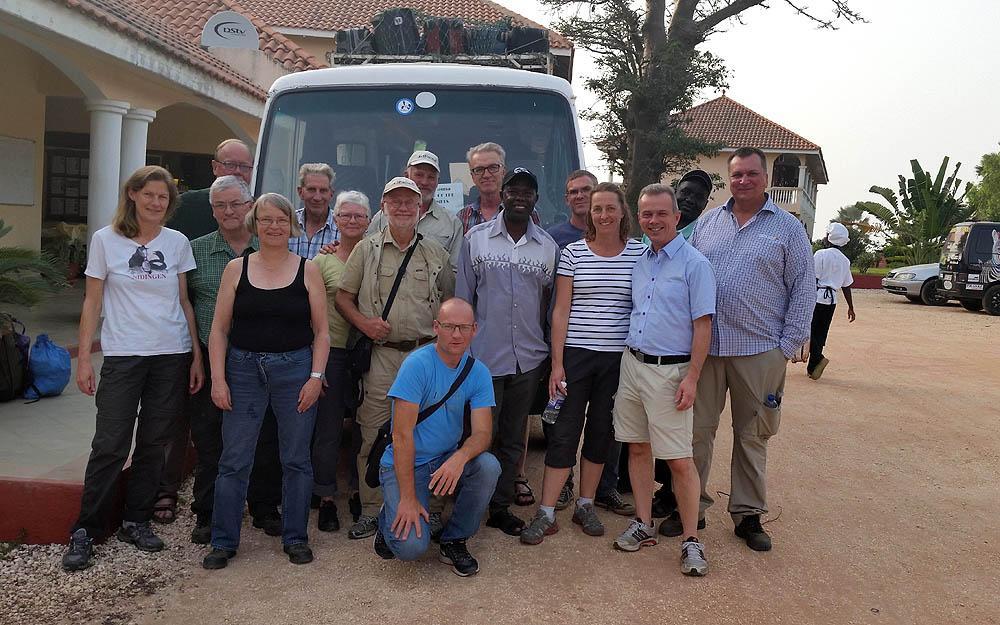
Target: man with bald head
{"points": [[194, 213], [439, 387]]}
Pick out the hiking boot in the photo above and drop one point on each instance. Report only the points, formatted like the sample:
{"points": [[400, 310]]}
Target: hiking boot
{"points": [[565, 496], [326, 520], [436, 526], [586, 517], [818, 370], [81, 548], [268, 520], [202, 533], [751, 531], [614, 502], [455, 553], [217, 559], [365, 527], [637, 536], [299, 553], [693, 560], [505, 521], [141, 535], [382, 548], [671, 526], [538, 529]]}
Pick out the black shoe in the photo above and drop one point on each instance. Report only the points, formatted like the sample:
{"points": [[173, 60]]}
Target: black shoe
{"points": [[663, 506], [613, 502], [365, 526], [565, 496], [81, 548], [314, 502], [327, 520], [217, 559], [299, 553], [202, 533], [354, 506], [141, 535], [382, 548], [751, 531], [671, 526], [456, 554], [504, 521], [268, 520]]}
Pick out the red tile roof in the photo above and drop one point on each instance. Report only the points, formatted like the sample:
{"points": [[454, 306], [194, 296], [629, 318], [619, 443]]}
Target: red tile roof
{"points": [[726, 121], [174, 28], [333, 15]]}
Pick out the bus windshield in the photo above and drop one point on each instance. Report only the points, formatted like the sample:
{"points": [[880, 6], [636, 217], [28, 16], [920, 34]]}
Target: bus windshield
{"points": [[367, 134], [951, 251]]}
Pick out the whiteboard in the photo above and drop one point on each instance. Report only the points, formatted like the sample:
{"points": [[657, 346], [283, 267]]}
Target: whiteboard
{"points": [[17, 171]]}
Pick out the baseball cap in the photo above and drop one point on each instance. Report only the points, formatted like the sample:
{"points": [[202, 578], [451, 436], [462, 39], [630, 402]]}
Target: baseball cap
{"points": [[520, 172], [837, 234], [423, 156], [700, 176], [400, 182]]}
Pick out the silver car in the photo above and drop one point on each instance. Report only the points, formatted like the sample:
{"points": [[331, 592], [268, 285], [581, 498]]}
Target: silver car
{"points": [[918, 283]]}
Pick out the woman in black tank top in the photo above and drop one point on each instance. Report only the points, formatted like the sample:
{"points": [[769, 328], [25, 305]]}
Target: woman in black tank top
{"points": [[268, 346]]}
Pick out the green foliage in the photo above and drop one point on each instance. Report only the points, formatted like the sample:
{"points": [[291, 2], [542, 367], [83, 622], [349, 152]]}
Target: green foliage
{"points": [[985, 196], [864, 261], [920, 217], [27, 276]]}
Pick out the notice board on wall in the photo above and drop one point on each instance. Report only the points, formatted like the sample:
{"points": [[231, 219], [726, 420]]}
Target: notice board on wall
{"points": [[17, 171]]}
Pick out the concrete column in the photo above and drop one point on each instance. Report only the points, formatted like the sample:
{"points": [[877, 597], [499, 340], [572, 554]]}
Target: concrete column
{"points": [[105, 154], [802, 176], [134, 132]]}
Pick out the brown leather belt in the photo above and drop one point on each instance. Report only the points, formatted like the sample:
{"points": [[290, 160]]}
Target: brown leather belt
{"points": [[659, 360], [407, 346]]}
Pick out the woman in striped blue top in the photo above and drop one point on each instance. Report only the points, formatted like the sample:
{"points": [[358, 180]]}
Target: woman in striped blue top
{"points": [[590, 323]]}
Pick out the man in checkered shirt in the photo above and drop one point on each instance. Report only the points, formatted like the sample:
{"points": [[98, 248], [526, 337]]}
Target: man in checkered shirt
{"points": [[766, 291]]}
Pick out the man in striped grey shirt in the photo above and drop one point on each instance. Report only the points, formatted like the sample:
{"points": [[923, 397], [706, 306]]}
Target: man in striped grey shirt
{"points": [[766, 287]]}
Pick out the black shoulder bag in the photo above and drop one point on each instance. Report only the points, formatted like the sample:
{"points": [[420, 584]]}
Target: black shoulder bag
{"points": [[382, 438], [359, 355]]}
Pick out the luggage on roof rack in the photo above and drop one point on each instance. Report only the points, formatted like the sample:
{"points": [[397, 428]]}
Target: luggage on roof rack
{"points": [[443, 36], [355, 41], [524, 40], [396, 32]]}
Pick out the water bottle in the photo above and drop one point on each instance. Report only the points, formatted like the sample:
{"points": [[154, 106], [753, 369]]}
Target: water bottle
{"points": [[551, 412]]}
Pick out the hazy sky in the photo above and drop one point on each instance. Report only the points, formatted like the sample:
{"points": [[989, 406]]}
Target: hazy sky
{"points": [[920, 80]]}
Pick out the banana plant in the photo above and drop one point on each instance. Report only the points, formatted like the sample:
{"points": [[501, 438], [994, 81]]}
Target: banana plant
{"points": [[27, 276], [921, 215]]}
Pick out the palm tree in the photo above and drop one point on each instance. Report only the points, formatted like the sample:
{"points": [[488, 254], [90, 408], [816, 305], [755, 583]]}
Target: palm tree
{"points": [[26, 276], [922, 215]]}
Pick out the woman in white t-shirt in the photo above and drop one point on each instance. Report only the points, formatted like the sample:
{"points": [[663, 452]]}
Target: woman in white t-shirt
{"points": [[833, 271], [590, 323], [135, 281]]}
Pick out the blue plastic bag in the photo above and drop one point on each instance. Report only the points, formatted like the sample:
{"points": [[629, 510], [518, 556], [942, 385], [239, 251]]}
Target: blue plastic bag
{"points": [[48, 369]]}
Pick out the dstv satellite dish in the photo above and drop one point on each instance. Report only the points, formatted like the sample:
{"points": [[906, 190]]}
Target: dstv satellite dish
{"points": [[229, 29]]}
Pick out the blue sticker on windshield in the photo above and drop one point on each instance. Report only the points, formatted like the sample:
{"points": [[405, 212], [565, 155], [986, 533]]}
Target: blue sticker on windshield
{"points": [[405, 106]]}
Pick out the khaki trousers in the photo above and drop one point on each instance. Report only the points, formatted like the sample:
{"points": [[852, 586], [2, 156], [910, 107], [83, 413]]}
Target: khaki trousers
{"points": [[375, 410], [749, 381]]}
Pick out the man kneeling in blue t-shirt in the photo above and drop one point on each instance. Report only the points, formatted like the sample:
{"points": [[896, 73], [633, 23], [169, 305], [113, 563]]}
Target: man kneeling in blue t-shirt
{"points": [[425, 457]]}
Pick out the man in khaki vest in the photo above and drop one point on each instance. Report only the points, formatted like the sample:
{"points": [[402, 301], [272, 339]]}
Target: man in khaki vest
{"points": [[364, 289]]}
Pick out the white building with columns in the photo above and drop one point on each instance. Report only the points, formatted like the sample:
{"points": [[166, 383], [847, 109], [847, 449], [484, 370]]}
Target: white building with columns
{"points": [[93, 89]]}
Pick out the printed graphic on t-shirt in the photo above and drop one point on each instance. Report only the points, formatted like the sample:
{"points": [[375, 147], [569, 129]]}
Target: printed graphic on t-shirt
{"points": [[147, 264]]}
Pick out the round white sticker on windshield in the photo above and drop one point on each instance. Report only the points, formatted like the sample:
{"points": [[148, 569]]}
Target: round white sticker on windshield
{"points": [[426, 99], [404, 106]]}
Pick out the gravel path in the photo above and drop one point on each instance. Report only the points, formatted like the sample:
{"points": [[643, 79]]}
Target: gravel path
{"points": [[882, 484]]}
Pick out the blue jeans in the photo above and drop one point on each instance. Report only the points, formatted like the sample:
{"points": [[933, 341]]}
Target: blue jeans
{"points": [[255, 380], [472, 495]]}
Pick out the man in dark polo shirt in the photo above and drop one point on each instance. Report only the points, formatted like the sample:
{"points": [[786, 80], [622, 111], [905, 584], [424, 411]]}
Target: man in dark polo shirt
{"points": [[194, 214]]}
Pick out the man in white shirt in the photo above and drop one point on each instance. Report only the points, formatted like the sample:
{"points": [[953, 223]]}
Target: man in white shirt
{"points": [[833, 271]]}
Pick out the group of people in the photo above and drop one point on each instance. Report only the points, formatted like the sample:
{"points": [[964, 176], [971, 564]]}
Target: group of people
{"points": [[434, 333]]}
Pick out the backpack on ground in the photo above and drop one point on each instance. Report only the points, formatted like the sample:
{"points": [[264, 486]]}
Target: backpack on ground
{"points": [[48, 369], [13, 357]]}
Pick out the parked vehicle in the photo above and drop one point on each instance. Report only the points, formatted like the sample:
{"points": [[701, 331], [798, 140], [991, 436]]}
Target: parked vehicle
{"points": [[970, 266], [918, 283]]}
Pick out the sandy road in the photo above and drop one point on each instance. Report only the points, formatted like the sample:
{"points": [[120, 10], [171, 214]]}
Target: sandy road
{"points": [[883, 480]]}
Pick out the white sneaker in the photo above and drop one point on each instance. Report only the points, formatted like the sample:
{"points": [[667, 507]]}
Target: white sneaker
{"points": [[693, 560], [637, 536]]}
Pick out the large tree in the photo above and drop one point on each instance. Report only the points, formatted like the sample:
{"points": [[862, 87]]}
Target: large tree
{"points": [[984, 196], [656, 70]]}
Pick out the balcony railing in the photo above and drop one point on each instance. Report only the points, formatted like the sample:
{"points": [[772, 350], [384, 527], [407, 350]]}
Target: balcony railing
{"points": [[794, 200]]}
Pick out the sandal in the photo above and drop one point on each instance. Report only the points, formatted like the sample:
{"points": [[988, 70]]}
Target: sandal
{"points": [[165, 510], [522, 492]]}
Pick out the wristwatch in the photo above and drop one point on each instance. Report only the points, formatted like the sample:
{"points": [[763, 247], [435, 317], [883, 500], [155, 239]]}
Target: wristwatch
{"points": [[316, 374]]}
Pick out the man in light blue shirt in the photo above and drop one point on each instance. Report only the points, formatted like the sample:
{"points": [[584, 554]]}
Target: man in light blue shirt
{"points": [[763, 266], [673, 300]]}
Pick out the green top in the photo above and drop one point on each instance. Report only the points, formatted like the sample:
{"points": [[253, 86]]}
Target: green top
{"points": [[212, 254], [194, 215], [332, 269]]}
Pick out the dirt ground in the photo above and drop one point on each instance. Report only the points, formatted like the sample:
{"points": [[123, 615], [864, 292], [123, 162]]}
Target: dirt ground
{"points": [[884, 506]]}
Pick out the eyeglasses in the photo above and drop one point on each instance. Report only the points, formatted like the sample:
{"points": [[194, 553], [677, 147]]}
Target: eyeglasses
{"points": [[233, 165], [479, 171], [267, 222], [349, 218], [221, 206], [449, 328]]}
